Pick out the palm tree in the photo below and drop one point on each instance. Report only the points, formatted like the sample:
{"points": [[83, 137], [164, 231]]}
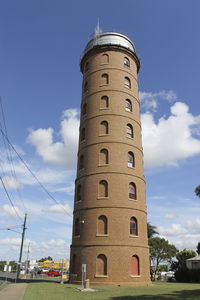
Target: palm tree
{"points": [[197, 191], [151, 230]]}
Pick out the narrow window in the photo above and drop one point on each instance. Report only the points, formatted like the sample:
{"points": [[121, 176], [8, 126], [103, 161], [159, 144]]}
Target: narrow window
{"points": [[132, 191], [131, 160], [85, 87], [101, 267], [82, 134], [135, 266], [127, 82], [129, 131], [104, 59], [104, 79], [77, 227], [86, 66], [102, 227], [104, 102], [103, 157], [103, 189], [84, 109], [79, 193], [126, 62], [104, 128], [128, 105], [74, 264], [81, 162], [133, 226]]}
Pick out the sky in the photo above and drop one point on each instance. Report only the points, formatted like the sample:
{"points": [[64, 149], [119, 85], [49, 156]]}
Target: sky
{"points": [[41, 43]]}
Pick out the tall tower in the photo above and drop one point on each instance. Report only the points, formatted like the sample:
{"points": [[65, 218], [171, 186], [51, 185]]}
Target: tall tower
{"points": [[110, 227]]}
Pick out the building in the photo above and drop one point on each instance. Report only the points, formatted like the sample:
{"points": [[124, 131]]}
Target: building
{"points": [[109, 225], [193, 263]]}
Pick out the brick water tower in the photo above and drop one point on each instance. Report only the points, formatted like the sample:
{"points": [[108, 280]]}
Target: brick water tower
{"points": [[109, 225]]}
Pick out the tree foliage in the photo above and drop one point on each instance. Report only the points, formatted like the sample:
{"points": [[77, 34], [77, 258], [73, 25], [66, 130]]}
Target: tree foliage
{"points": [[197, 191], [160, 251], [182, 273], [198, 248], [45, 258], [151, 230]]}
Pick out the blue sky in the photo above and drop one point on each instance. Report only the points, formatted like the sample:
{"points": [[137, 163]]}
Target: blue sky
{"points": [[41, 43]]}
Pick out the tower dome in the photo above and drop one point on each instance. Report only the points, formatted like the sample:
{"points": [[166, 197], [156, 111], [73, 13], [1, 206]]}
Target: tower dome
{"points": [[109, 225]]}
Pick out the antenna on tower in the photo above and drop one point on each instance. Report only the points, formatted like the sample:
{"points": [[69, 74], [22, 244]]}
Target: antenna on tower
{"points": [[97, 30]]}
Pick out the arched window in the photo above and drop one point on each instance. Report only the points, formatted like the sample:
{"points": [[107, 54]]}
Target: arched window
{"points": [[81, 162], [128, 105], [102, 226], [103, 157], [104, 128], [133, 226], [74, 264], [132, 191], [135, 265], [104, 59], [101, 267], [86, 87], [126, 62], [77, 227], [82, 138], [103, 189], [86, 66], [84, 109], [127, 82], [79, 193], [129, 131], [131, 160], [104, 102], [104, 79]]}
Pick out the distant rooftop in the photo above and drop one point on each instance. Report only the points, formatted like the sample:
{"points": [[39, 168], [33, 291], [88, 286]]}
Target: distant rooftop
{"points": [[109, 38]]}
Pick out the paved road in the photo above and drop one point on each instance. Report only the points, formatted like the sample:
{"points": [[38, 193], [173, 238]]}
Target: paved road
{"points": [[13, 291]]}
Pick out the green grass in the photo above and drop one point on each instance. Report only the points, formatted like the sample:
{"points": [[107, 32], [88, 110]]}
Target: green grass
{"points": [[158, 291], [3, 286]]}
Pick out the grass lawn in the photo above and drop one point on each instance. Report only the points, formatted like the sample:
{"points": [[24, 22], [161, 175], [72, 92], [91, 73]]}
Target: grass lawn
{"points": [[3, 286], [158, 291]]}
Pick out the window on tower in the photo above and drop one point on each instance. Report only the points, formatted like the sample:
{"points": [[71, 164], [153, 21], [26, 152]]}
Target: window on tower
{"points": [[101, 265], [104, 102], [82, 137], [84, 109], [128, 105], [131, 160], [102, 225], [133, 226], [103, 157], [86, 66], [135, 265], [105, 58], [85, 87], [77, 227], [104, 79], [104, 128], [127, 82], [74, 264], [132, 191], [103, 189], [126, 62], [129, 131], [81, 162], [79, 193]]}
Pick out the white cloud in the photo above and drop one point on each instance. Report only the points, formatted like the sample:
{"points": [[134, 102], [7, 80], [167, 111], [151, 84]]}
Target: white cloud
{"points": [[169, 216], [8, 211], [169, 140], [10, 183], [64, 152], [149, 100], [59, 209]]}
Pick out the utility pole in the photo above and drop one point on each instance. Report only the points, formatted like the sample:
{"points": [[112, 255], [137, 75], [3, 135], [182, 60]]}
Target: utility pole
{"points": [[21, 248]]}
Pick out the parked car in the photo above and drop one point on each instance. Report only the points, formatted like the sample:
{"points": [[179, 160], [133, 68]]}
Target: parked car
{"points": [[53, 273]]}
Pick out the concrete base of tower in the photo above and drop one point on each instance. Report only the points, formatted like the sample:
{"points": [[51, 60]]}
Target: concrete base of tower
{"points": [[123, 265]]}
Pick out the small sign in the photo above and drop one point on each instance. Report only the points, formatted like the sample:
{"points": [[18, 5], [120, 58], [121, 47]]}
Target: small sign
{"points": [[84, 268], [5, 268], [9, 268]]}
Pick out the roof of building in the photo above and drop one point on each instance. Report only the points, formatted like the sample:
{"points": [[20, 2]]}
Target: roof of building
{"points": [[110, 38], [196, 258]]}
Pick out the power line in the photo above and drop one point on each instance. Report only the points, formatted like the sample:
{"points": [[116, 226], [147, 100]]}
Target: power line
{"points": [[9, 198], [35, 177]]}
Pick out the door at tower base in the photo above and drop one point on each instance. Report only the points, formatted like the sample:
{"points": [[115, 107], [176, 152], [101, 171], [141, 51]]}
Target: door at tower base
{"points": [[111, 265]]}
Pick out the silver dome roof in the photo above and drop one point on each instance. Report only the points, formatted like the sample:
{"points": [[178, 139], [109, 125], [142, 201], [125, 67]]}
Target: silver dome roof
{"points": [[110, 38]]}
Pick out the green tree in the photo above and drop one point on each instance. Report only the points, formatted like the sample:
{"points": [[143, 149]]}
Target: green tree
{"points": [[160, 251], [197, 191], [182, 273], [151, 230], [198, 248], [45, 258]]}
